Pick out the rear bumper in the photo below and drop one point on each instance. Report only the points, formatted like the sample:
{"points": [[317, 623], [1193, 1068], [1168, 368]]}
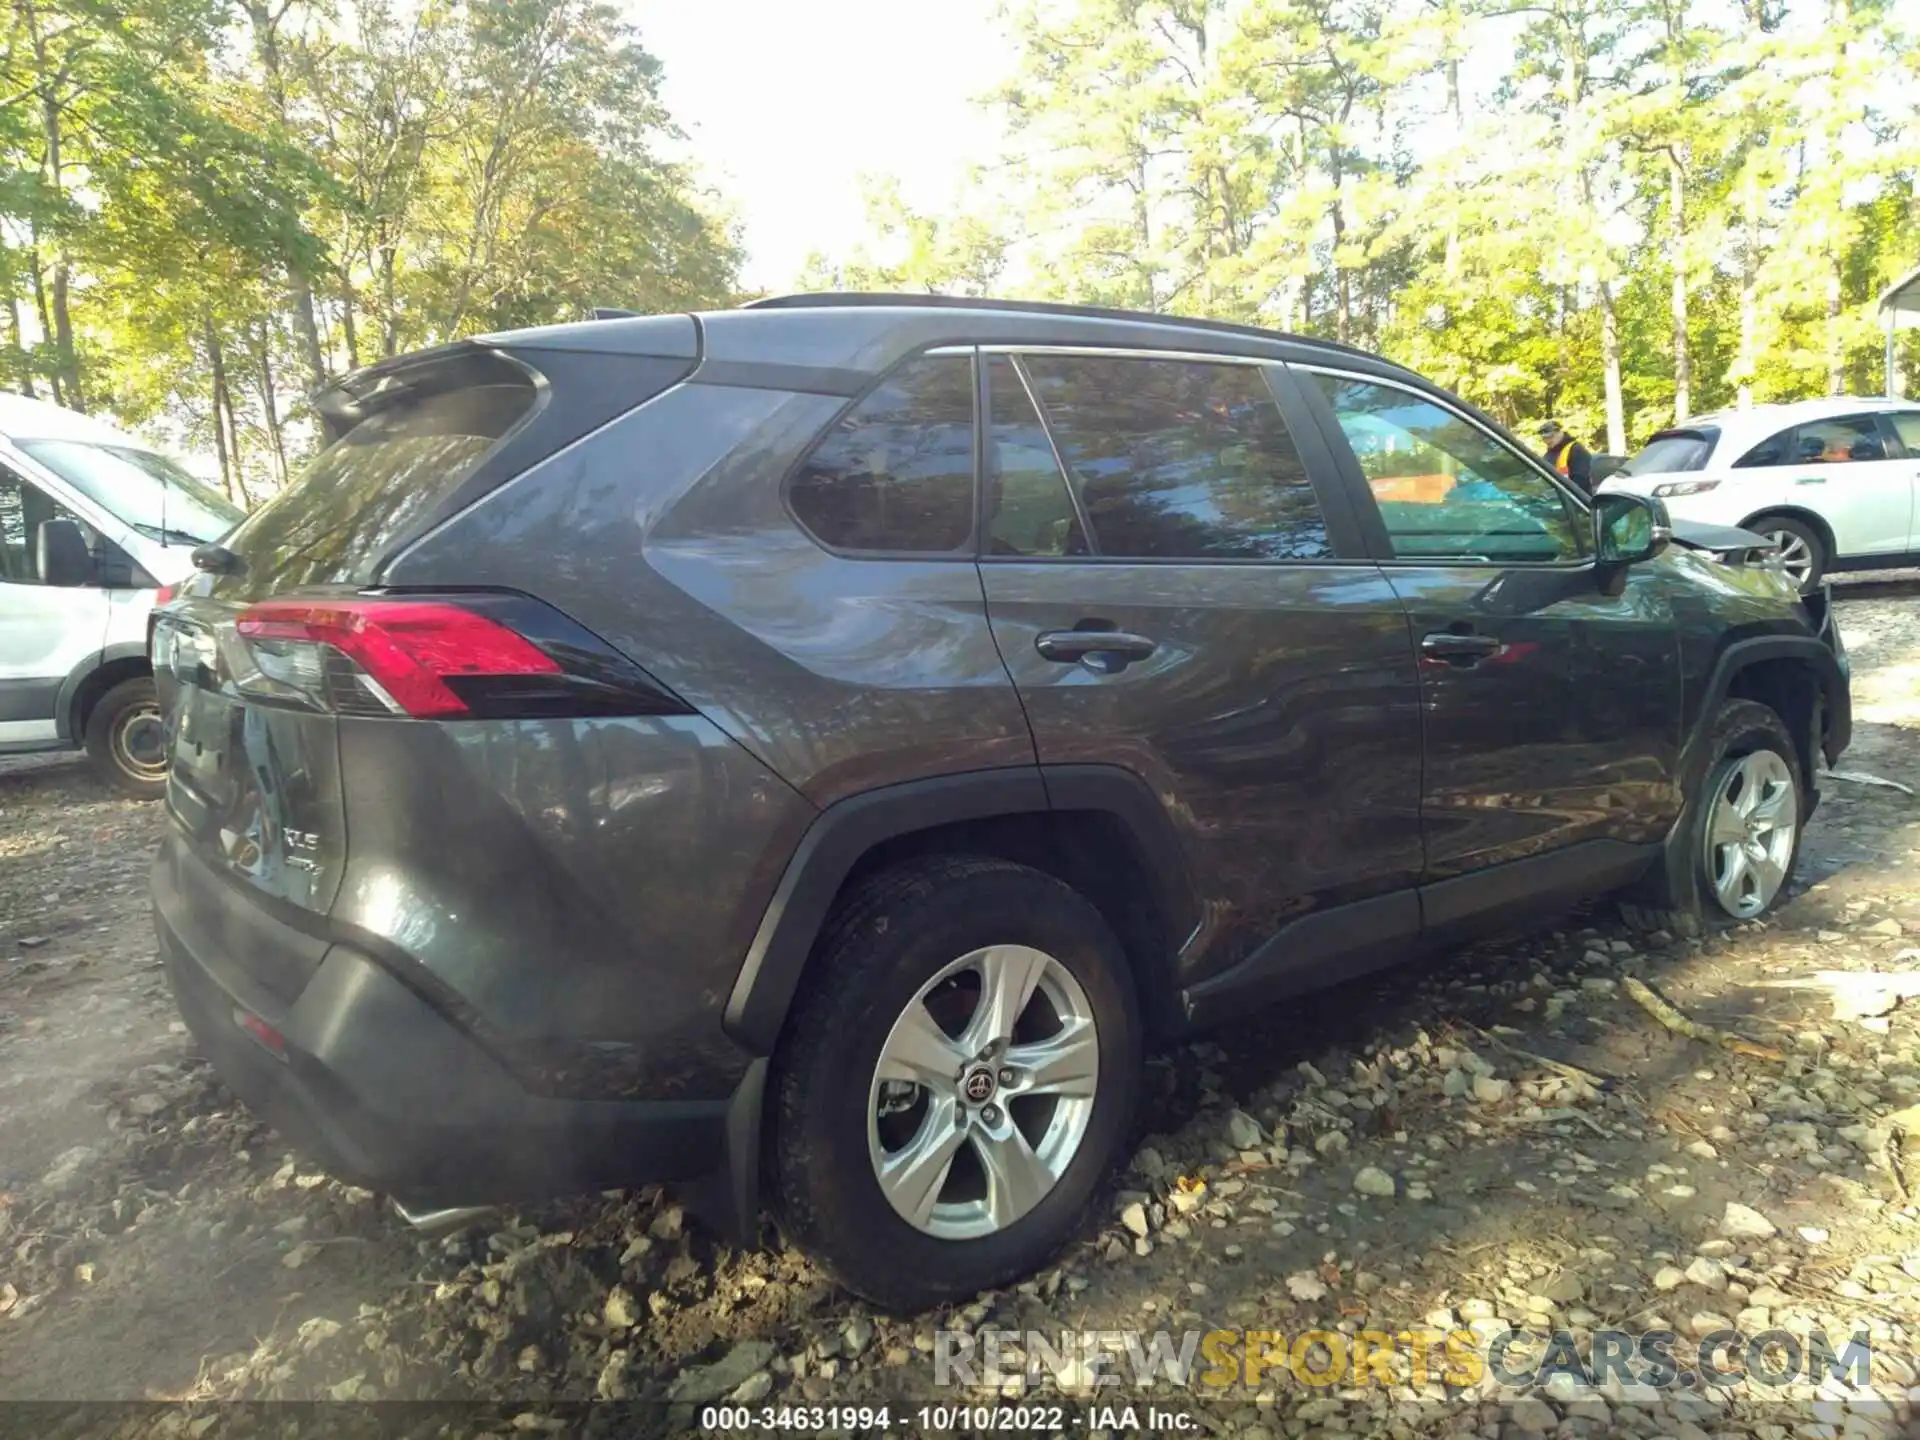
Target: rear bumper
{"points": [[383, 1090]]}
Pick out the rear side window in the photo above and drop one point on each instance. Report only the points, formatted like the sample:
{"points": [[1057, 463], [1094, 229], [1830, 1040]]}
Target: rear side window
{"points": [[896, 474], [1673, 452], [1850, 439], [382, 477], [1906, 424], [1179, 459]]}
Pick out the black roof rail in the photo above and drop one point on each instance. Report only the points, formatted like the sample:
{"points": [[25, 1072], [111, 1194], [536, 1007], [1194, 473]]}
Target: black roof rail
{"points": [[857, 299], [603, 313]]}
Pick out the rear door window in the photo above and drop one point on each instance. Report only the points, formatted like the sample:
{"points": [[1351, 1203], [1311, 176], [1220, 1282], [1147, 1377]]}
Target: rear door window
{"points": [[1845, 440], [1179, 459], [1031, 507], [895, 475]]}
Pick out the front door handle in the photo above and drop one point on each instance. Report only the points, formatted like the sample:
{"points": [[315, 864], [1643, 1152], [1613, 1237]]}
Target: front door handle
{"points": [[1451, 649], [1104, 650]]}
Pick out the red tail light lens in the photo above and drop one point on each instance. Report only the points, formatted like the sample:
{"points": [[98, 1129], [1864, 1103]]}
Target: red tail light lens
{"points": [[164, 594], [399, 654]]}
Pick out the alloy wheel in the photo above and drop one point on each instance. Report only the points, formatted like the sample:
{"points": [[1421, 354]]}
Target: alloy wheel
{"points": [[1751, 828], [983, 1092], [1794, 554]]}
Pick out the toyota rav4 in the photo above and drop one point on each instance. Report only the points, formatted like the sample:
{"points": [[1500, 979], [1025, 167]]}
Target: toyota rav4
{"points": [[814, 749]]}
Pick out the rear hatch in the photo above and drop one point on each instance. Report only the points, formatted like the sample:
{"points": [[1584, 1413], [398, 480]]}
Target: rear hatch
{"points": [[289, 633]]}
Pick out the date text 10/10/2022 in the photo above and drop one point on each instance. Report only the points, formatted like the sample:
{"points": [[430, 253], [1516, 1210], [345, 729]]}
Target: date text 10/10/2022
{"points": [[1014, 1419]]}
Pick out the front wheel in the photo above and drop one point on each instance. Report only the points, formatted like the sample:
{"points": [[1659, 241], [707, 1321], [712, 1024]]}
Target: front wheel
{"points": [[1750, 824], [955, 1081], [1734, 852], [127, 739]]}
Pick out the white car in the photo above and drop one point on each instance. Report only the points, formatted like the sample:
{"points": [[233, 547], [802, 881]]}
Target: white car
{"points": [[93, 525], [1831, 482]]}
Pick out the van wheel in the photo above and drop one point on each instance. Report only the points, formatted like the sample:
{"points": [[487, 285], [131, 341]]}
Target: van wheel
{"points": [[127, 739], [955, 1081], [1740, 838]]}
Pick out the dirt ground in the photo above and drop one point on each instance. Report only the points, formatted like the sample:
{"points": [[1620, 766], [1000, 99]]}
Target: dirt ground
{"points": [[157, 1243]]}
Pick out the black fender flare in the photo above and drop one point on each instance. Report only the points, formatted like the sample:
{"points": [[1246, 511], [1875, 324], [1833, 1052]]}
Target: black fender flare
{"points": [[1669, 883], [66, 712], [1835, 694], [841, 835]]}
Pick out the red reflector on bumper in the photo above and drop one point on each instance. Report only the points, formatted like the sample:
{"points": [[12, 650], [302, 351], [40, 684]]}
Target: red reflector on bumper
{"points": [[269, 1039]]}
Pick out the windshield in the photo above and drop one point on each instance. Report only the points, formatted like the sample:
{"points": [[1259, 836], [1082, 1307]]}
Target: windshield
{"points": [[145, 491], [1673, 452]]}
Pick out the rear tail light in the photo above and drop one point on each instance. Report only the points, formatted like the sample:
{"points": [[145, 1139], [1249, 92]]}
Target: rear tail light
{"points": [[438, 658], [164, 594]]}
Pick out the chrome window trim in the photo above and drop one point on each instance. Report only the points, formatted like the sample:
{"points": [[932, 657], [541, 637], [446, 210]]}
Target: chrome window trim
{"points": [[1113, 352]]}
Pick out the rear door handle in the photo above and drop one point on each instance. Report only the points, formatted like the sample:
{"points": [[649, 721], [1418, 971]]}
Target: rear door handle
{"points": [[1452, 649], [1103, 650]]}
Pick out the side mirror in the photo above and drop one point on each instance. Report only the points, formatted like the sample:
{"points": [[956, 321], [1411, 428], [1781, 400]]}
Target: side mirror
{"points": [[1628, 529], [62, 554]]}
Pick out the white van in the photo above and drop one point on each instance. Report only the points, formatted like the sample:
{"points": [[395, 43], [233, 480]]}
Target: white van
{"points": [[93, 525]]}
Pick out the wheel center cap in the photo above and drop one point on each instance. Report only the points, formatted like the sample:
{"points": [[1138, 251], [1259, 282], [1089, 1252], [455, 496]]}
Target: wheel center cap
{"points": [[978, 1086]]}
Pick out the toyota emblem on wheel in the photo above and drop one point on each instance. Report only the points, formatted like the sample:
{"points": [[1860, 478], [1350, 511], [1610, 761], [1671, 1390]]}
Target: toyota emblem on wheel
{"points": [[978, 1087]]}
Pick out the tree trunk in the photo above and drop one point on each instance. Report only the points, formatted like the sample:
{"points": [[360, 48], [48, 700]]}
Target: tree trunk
{"points": [[20, 346], [389, 309], [1682, 353], [270, 404], [1342, 278], [349, 321], [217, 363], [1743, 367], [66, 359], [1836, 354], [225, 397], [1610, 358], [266, 48], [1143, 227], [40, 307]]}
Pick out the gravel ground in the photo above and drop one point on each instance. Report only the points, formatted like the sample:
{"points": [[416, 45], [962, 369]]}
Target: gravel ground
{"points": [[1503, 1136]]}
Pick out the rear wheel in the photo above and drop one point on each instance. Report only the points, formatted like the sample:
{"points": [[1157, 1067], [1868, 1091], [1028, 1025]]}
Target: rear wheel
{"points": [[126, 738], [1800, 547], [955, 1081]]}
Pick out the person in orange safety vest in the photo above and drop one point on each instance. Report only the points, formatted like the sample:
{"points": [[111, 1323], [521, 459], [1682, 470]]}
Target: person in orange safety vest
{"points": [[1568, 455]]}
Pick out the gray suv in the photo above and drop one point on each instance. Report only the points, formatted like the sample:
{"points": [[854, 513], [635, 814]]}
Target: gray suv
{"points": [[812, 750]]}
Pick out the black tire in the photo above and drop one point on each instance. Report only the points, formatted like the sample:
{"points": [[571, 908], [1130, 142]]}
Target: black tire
{"points": [[1789, 532], [120, 736], [885, 940], [1680, 899]]}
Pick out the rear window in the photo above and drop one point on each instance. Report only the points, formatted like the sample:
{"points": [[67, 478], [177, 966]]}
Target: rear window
{"points": [[367, 490], [1673, 452]]}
